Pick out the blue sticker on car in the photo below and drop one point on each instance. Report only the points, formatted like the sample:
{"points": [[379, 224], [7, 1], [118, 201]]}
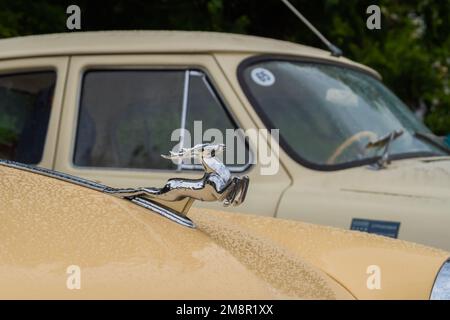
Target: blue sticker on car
{"points": [[382, 228]]}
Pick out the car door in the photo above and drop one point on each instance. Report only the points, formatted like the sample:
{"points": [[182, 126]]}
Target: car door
{"points": [[122, 112], [30, 105]]}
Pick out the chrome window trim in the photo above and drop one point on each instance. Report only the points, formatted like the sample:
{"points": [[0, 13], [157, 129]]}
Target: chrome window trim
{"points": [[187, 76], [206, 82]]}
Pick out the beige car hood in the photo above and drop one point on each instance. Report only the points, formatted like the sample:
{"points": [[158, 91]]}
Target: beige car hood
{"points": [[408, 270], [125, 251]]}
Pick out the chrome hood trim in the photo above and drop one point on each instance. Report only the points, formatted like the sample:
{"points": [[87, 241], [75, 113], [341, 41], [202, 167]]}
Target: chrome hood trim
{"points": [[154, 207]]}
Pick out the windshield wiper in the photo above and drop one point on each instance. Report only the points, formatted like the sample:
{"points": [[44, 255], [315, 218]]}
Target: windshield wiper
{"points": [[432, 139], [385, 142]]}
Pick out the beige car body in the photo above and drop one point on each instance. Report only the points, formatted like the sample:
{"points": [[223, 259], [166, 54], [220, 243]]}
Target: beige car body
{"points": [[121, 250], [414, 192]]}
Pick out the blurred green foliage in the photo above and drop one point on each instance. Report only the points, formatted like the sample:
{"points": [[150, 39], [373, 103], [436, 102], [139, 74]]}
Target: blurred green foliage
{"points": [[411, 51]]}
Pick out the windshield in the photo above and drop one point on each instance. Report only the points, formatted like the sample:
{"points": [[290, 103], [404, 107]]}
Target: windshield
{"points": [[327, 114]]}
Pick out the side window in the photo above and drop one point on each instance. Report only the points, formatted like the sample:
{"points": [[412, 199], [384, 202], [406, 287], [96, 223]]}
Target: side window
{"points": [[25, 106], [127, 117]]}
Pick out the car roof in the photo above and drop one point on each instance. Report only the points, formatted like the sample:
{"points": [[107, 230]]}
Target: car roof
{"points": [[107, 42]]}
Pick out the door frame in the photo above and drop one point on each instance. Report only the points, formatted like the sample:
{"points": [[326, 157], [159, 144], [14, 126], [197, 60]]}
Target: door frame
{"points": [[155, 177]]}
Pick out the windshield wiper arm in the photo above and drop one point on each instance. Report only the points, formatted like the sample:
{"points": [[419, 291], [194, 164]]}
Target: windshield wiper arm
{"points": [[385, 142], [431, 138]]}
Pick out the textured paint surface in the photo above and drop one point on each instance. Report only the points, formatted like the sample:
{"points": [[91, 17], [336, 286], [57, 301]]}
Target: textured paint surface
{"points": [[125, 251], [408, 270], [268, 260]]}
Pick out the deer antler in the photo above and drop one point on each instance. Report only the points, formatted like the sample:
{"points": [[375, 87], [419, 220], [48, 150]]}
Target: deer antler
{"points": [[184, 153]]}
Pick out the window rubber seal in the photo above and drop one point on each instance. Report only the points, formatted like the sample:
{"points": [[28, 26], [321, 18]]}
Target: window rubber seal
{"points": [[283, 143]]}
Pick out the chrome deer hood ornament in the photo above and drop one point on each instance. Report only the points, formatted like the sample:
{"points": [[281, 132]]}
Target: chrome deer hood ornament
{"points": [[215, 185], [178, 194], [174, 200]]}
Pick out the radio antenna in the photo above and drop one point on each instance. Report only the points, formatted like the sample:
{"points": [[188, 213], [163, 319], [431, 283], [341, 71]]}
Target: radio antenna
{"points": [[335, 51]]}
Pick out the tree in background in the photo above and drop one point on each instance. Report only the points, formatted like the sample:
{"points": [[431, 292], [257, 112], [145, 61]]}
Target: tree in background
{"points": [[411, 51]]}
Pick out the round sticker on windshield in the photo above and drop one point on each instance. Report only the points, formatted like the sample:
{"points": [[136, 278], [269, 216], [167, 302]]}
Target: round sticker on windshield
{"points": [[263, 77]]}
